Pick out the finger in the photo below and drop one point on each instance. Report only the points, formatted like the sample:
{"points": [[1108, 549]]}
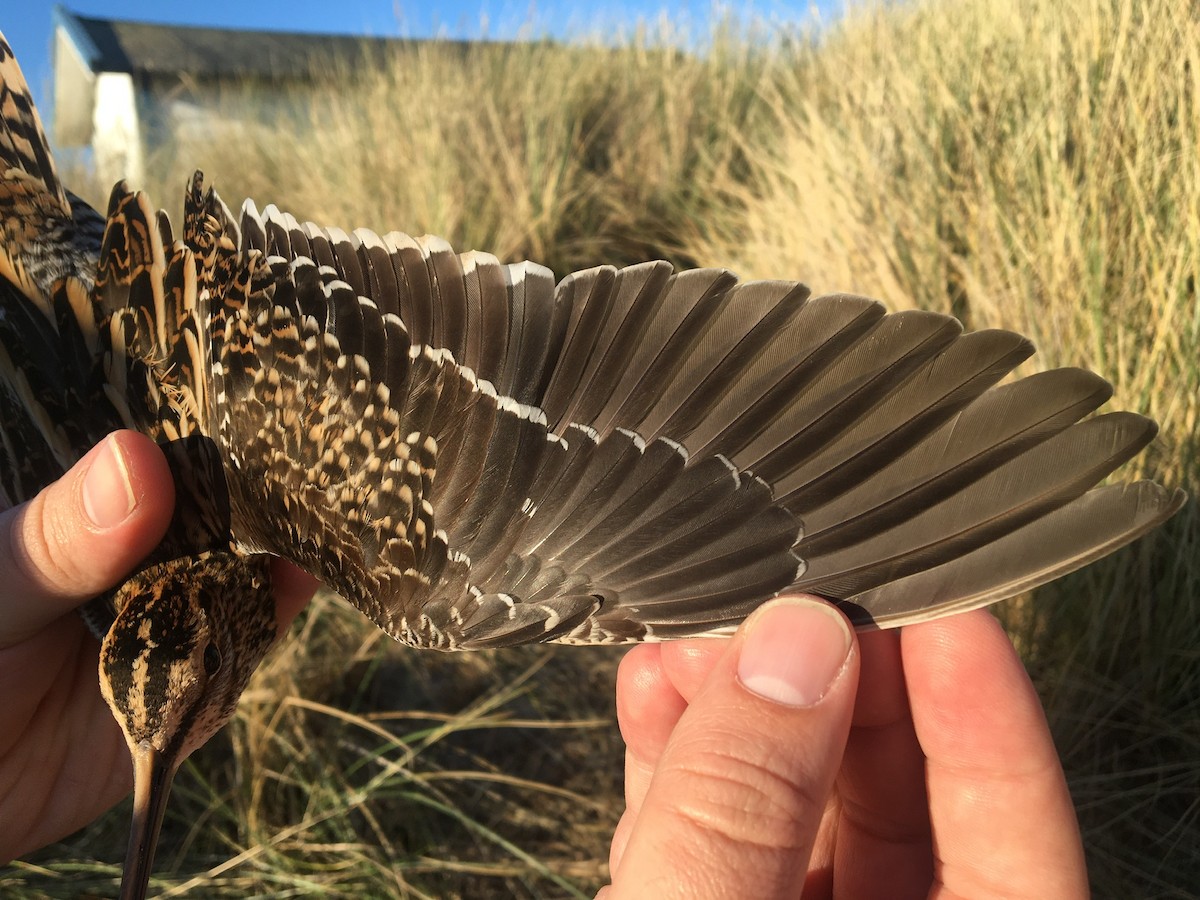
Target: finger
{"points": [[57, 731], [689, 663], [735, 803], [884, 846], [84, 533], [648, 707], [620, 839], [1003, 822], [293, 589]]}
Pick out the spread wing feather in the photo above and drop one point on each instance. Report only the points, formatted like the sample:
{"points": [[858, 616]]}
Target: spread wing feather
{"points": [[476, 457], [63, 381], [641, 453], [1064, 540]]}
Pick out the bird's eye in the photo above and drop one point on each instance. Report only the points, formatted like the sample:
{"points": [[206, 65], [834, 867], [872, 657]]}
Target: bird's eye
{"points": [[212, 660]]}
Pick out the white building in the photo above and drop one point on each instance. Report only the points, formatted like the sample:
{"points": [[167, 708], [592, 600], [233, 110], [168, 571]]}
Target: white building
{"points": [[122, 89]]}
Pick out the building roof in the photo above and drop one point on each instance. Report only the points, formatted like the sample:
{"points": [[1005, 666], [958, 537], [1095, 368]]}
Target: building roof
{"points": [[149, 49]]}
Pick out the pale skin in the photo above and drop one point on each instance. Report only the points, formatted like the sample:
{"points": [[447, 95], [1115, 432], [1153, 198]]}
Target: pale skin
{"points": [[63, 760], [794, 760]]}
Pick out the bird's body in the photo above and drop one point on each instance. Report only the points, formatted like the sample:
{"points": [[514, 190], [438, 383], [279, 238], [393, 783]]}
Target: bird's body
{"points": [[476, 458]]}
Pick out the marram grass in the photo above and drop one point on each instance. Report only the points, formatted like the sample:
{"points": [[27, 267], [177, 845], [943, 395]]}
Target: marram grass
{"points": [[1031, 165]]}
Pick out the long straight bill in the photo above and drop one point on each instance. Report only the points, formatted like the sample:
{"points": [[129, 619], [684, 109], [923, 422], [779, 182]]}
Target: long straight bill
{"points": [[152, 774]]}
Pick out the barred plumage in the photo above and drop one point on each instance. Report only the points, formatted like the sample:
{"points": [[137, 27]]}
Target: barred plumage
{"points": [[476, 457]]}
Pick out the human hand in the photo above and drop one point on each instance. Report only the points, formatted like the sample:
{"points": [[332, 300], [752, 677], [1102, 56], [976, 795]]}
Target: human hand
{"points": [[937, 777], [63, 759]]}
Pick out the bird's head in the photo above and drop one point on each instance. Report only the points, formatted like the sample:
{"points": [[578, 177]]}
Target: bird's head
{"points": [[188, 635]]}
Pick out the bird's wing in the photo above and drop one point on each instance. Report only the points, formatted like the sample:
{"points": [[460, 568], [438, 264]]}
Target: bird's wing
{"points": [[406, 482], [48, 236], [86, 346], [31, 197], [640, 456], [155, 336], [477, 457], [51, 405]]}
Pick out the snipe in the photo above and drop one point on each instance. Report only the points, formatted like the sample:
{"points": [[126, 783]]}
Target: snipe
{"points": [[475, 457]]}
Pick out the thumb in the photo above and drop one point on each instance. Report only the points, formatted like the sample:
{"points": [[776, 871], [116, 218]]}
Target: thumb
{"points": [[737, 797], [83, 533]]}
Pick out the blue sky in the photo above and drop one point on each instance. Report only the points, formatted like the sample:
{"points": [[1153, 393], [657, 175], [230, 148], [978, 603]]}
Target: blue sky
{"points": [[26, 23]]}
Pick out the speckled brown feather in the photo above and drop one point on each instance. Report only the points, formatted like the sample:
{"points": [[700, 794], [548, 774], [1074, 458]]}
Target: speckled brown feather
{"points": [[97, 332], [576, 512]]}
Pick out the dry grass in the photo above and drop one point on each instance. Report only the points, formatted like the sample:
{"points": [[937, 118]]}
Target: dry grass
{"points": [[563, 154], [1030, 165]]}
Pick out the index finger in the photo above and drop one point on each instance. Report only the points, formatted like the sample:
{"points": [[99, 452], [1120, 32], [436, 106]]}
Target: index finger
{"points": [[1002, 818]]}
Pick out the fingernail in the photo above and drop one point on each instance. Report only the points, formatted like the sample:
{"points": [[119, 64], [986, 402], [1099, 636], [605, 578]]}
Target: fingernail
{"points": [[794, 651], [108, 496]]}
